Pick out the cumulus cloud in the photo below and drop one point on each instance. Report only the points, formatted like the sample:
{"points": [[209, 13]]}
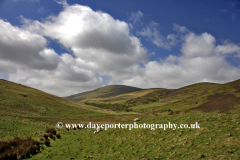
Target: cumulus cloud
{"points": [[228, 48], [103, 51], [198, 46], [25, 48], [56, 82], [100, 44], [79, 27], [201, 61]]}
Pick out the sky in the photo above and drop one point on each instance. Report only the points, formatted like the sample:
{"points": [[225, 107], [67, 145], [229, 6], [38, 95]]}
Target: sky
{"points": [[65, 47]]}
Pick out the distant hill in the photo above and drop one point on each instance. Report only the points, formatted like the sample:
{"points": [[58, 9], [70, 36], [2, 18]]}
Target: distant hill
{"points": [[206, 97], [199, 97], [104, 92], [223, 98]]}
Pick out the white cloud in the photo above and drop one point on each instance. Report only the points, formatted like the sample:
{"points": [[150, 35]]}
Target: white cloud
{"points": [[104, 47], [178, 28], [62, 2], [100, 42], [27, 60], [201, 61], [198, 45], [228, 48], [135, 16], [152, 33], [25, 48]]}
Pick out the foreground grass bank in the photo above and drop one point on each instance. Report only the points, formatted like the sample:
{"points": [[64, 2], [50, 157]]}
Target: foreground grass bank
{"points": [[218, 138]]}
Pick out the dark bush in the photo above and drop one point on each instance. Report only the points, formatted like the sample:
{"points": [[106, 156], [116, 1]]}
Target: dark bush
{"points": [[47, 143], [51, 135], [51, 131], [58, 136], [45, 136], [18, 148]]}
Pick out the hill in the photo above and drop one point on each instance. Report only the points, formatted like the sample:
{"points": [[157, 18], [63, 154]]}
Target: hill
{"points": [[104, 92], [33, 109], [200, 97], [30, 104], [19, 100]]}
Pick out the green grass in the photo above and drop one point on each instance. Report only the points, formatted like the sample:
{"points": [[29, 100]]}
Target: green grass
{"points": [[218, 138], [19, 100], [146, 106]]}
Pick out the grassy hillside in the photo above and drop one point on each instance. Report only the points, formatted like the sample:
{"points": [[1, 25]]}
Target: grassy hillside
{"points": [[18, 100], [103, 92], [122, 98], [200, 97], [154, 98], [24, 106], [220, 98]]}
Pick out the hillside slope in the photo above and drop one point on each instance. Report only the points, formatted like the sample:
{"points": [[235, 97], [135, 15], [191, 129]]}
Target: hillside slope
{"points": [[20, 100], [203, 97], [26, 104], [104, 92], [199, 97]]}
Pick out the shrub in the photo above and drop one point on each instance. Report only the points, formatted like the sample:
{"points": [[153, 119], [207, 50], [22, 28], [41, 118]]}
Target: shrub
{"points": [[45, 136], [18, 148], [47, 143], [51, 135], [58, 136], [51, 131]]}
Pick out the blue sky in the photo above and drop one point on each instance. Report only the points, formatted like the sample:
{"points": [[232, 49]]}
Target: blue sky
{"points": [[66, 47]]}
